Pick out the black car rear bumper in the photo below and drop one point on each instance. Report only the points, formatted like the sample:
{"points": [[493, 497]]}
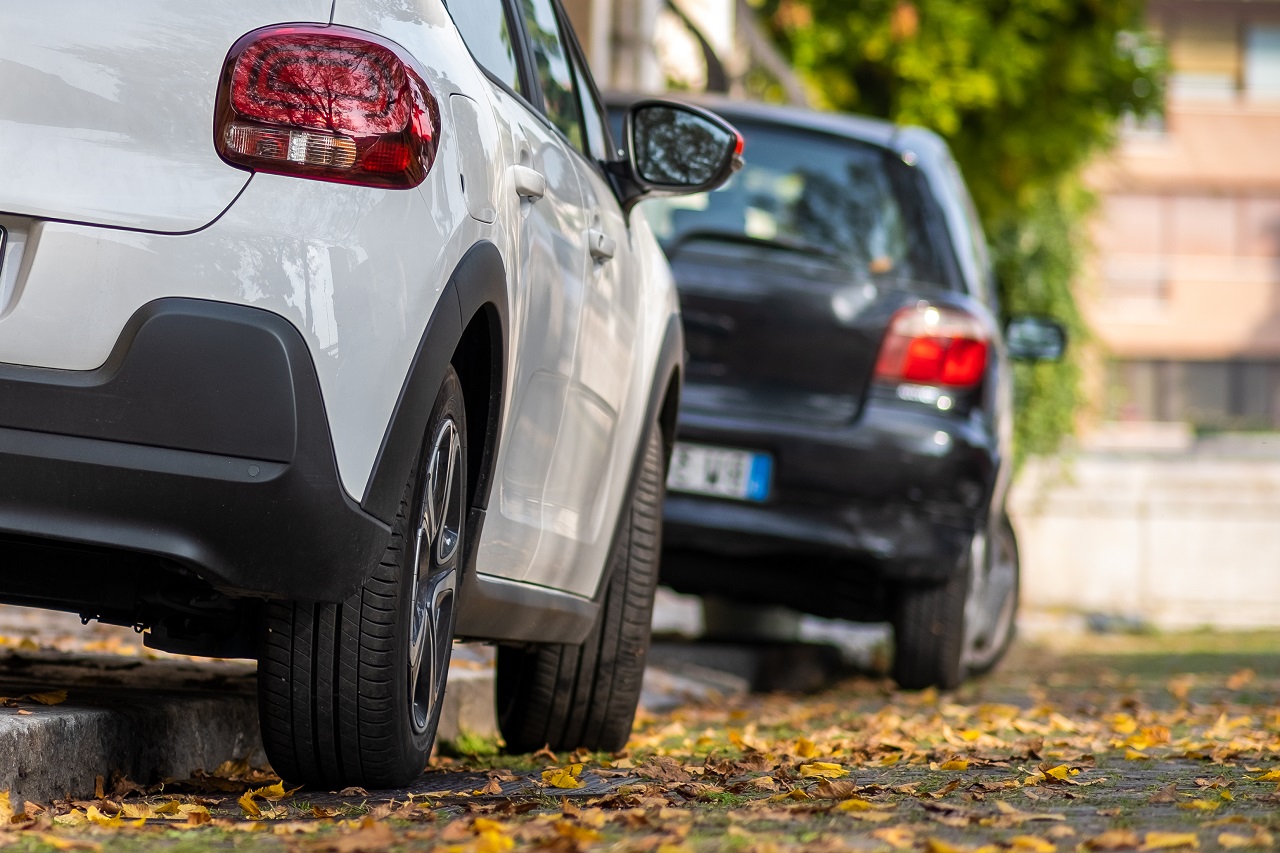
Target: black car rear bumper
{"points": [[896, 496], [202, 443]]}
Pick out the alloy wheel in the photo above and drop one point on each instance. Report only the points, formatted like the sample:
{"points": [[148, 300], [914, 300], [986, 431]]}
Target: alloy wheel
{"points": [[437, 549]]}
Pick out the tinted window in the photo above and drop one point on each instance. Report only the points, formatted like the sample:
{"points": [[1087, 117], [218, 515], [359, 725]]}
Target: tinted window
{"points": [[483, 25], [593, 121], [815, 193], [552, 59]]}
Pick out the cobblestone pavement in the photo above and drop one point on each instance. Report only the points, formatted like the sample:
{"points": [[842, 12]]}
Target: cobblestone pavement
{"points": [[1077, 743]]}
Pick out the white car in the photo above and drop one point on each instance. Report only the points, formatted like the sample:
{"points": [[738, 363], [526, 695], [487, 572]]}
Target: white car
{"points": [[326, 336]]}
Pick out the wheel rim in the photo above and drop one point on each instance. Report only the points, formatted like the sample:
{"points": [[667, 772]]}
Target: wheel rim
{"points": [[992, 599], [437, 545]]}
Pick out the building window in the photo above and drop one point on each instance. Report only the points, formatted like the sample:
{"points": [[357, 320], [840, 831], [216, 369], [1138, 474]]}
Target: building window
{"points": [[1262, 61], [1206, 60], [1209, 395]]}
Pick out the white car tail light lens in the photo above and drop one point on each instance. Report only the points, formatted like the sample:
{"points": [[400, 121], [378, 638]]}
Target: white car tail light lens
{"points": [[327, 103], [928, 345]]}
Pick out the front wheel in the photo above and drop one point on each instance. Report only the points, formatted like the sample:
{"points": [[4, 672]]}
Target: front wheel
{"points": [[570, 696], [350, 693]]}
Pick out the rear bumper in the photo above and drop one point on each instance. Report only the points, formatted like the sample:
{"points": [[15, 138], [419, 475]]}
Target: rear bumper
{"points": [[895, 496], [202, 442]]}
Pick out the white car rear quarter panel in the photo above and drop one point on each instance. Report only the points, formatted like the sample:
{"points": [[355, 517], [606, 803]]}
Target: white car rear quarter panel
{"points": [[357, 270], [106, 109]]}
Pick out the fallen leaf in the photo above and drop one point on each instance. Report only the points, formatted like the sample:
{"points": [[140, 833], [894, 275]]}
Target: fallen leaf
{"points": [[1114, 839], [822, 769], [564, 777], [1168, 840], [955, 764], [1032, 844], [897, 837], [51, 697], [1167, 794]]}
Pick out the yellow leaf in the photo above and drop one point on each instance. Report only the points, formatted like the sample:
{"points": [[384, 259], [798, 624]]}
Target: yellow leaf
{"points": [[855, 804], [1230, 839], [6, 809], [196, 815], [1167, 840], [956, 764], [970, 734], [1123, 724], [484, 824], [897, 837], [249, 807], [57, 842], [806, 748], [937, 845], [1201, 805], [1113, 839], [274, 792], [822, 769], [1033, 844], [1273, 776], [1061, 772], [793, 794], [51, 697], [96, 816], [1134, 755], [890, 759], [563, 777], [1226, 795], [75, 817], [493, 842]]}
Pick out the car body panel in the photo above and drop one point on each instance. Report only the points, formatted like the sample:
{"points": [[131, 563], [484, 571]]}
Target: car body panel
{"points": [[359, 272], [107, 109]]}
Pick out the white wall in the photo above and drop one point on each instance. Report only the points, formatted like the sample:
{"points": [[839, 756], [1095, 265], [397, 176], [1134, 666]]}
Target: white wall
{"points": [[1179, 541]]}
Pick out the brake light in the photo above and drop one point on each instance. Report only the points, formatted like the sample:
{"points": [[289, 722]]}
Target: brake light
{"points": [[928, 345], [328, 103]]}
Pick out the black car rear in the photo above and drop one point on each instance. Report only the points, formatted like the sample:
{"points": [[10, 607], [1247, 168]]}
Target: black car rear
{"points": [[844, 429]]}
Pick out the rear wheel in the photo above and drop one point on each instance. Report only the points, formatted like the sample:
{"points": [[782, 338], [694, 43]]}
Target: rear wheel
{"points": [[944, 633], [350, 693], [570, 696]]}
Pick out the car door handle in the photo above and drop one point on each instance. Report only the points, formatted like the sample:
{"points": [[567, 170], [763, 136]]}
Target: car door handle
{"points": [[530, 183], [602, 246]]}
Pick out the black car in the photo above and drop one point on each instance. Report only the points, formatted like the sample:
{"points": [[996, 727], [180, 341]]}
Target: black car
{"points": [[843, 445]]}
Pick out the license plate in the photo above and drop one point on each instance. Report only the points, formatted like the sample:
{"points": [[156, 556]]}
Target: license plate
{"points": [[720, 471]]}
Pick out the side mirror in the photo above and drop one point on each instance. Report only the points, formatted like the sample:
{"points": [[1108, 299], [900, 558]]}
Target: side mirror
{"points": [[1029, 338], [675, 149]]}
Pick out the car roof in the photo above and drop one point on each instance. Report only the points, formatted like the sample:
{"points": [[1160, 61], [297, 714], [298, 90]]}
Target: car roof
{"points": [[875, 131]]}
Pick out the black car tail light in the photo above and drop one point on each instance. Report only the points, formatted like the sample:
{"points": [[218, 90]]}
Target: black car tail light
{"points": [[327, 103], [930, 345]]}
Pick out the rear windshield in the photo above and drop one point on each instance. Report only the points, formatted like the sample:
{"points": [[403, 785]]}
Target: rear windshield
{"points": [[813, 193]]}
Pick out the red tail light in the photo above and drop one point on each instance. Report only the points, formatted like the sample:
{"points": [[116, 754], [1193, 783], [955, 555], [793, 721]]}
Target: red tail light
{"points": [[928, 345], [328, 103]]}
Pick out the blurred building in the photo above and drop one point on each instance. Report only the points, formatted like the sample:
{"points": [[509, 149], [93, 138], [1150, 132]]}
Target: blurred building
{"points": [[1187, 299], [689, 45]]}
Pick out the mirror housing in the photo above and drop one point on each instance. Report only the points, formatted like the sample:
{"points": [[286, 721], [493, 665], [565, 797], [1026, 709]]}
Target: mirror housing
{"points": [[1031, 338], [674, 149]]}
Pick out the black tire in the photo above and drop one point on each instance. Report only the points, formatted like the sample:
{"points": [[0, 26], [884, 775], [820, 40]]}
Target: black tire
{"points": [[571, 696], [928, 634], [943, 634], [339, 700]]}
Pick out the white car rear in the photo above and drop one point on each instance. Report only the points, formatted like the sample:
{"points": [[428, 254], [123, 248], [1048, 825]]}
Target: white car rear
{"points": [[325, 335]]}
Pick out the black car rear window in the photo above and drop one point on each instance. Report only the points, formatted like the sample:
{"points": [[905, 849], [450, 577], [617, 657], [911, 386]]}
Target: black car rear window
{"points": [[814, 193]]}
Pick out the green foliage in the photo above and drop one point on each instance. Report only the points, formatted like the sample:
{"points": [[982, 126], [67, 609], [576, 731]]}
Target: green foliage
{"points": [[1026, 92]]}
